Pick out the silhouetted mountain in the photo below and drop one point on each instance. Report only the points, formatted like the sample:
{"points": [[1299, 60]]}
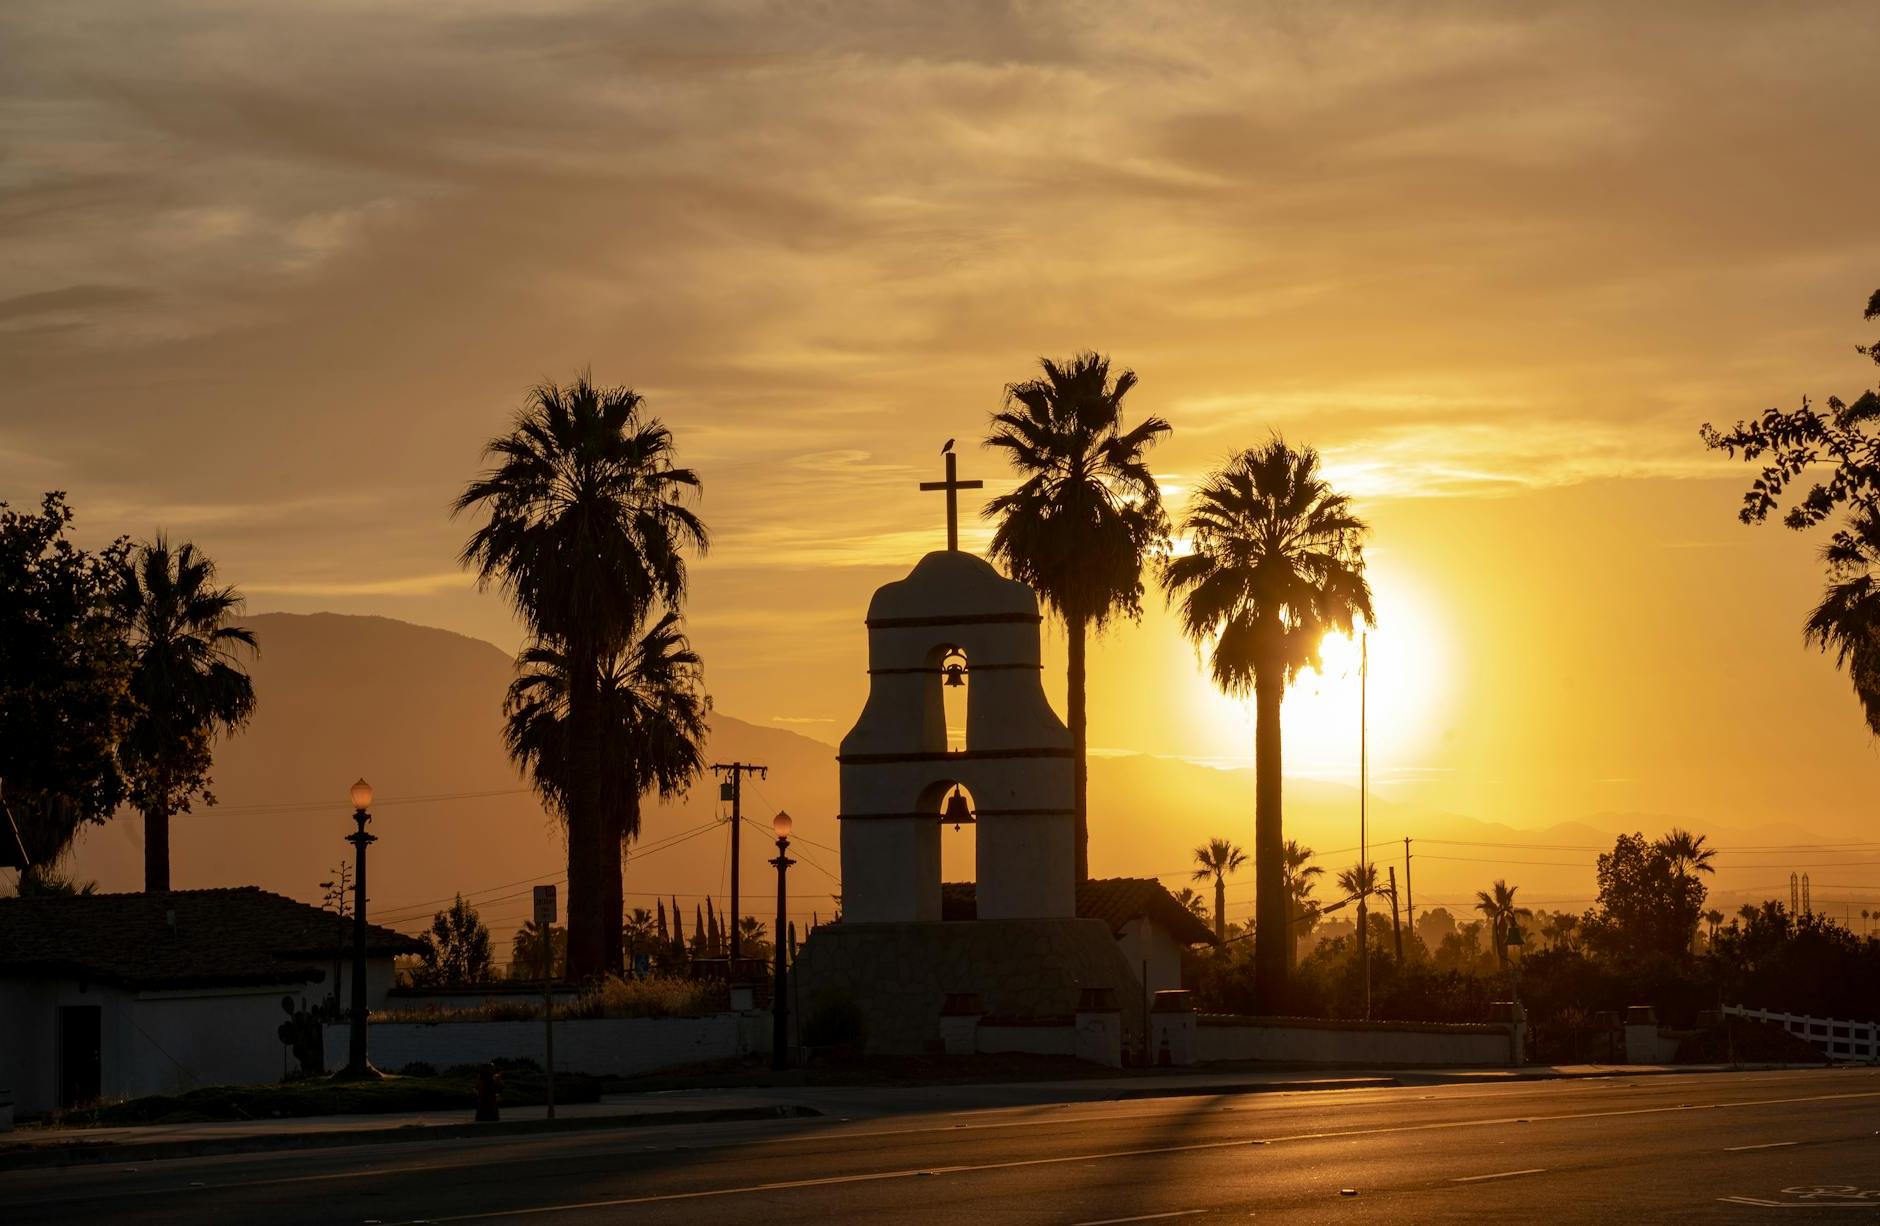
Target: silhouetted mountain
{"points": [[417, 711]]}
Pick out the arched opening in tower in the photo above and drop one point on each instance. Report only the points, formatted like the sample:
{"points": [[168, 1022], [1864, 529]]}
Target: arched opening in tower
{"points": [[959, 833], [955, 688]]}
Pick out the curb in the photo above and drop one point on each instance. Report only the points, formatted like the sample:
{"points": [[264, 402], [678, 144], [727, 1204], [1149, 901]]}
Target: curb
{"points": [[75, 1152]]}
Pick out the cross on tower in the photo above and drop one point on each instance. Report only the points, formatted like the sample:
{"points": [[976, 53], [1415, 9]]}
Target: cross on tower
{"points": [[952, 485]]}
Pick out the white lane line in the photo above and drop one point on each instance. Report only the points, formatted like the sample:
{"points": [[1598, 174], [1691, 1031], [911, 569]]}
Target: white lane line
{"points": [[1737, 1149], [1141, 1217], [1532, 1170], [1063, 1159]]}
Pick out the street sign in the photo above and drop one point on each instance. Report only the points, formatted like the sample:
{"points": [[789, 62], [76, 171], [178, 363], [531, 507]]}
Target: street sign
{"points": [[544, 905]]}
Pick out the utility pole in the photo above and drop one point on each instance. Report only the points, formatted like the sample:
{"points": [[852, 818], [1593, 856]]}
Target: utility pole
{"points": [[1364, 837], [1396, 926], [732, 789], [1409, 895]]}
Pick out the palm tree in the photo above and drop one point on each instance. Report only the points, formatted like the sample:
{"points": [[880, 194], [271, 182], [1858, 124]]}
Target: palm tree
{"points": [[1686, 851], [1498, 908], [1277, 564], [1196, 905], [753, 937], [1359, 881], [586, 531], [1084, 518], [651, 711], [525, 950], [1847, 621], [1296, 859], [1216, 858], [1714, 918], [638, 933], [187, 685]]}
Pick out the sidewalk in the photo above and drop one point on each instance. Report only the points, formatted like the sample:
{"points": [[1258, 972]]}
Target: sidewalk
{"points": [[43, 1147]]}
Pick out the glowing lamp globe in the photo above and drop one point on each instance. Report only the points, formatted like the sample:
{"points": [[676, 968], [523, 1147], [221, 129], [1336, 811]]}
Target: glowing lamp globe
{"points": [[782, 824], [362, 795]]}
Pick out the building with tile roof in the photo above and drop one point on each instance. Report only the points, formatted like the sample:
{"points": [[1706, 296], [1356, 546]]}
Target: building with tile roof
{"points": [[122, 995]]}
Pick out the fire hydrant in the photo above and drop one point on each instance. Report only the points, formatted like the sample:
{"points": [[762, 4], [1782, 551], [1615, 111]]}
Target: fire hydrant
{"points": [[489, 1094]]}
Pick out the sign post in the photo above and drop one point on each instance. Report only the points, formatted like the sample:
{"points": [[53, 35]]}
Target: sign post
{"points": [[545, 923]]}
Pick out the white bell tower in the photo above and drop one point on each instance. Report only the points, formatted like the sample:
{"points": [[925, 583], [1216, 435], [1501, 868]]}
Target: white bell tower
{"points": [[897, 770]]}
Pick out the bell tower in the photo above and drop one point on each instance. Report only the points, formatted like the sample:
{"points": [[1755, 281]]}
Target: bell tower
{"points": [[898, 771]]}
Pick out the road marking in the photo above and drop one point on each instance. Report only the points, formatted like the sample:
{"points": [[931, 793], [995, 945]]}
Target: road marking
{"points": [[1141, 1217], [1737, 1149], [1064, 1159], [1532, 1170]]}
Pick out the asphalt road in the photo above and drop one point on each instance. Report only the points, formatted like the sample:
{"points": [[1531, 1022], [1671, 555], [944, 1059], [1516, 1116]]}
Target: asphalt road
{"points": [[1741, 1147]]}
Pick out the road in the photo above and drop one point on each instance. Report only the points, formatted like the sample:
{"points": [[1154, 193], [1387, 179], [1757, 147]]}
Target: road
{"points": [[1736, 1147]]}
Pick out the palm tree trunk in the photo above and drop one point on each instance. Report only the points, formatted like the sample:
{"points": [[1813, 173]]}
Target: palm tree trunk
{"points": [[588, 826], [1220, 907], [1272, 924], [1080, 744], [156, 849]]}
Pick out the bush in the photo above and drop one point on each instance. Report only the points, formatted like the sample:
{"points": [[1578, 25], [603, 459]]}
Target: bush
{"points": [[664, 996]]}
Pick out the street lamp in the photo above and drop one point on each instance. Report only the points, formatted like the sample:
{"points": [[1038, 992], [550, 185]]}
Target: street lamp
{"points": [[1515, 942], [779, 992], [358, 1068]]}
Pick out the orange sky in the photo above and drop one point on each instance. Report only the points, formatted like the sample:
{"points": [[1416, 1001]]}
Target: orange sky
{"points": [[274, 276]]}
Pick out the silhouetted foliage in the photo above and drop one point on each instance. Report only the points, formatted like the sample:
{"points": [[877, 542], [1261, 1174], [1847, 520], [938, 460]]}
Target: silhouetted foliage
{"points": [[456, 950], [64, 680], [586, 533], [525, 951], [1648, 902], [1084, 519], [187, 685], [1217, 858], [1846, 437], [1277, 563]]}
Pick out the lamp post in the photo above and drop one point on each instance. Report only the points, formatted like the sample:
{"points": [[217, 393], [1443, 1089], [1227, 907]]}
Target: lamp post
{"points": [[780, 988], [1516, 941], [358, 1068]]}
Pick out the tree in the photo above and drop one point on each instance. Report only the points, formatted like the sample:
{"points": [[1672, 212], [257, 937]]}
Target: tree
{"points": [[1846, 437], [525, 951], [1648, 904], [586, 531], [1217, 858], [1296, 859], [1714, 918], [1687, 851], [64, 681], [1359, 881], [651, 708], [753, 937], [1085, 517], [1197, 905], [1500, 913], [456, 950], [187, 685], [638, 933], [1277, 564]]}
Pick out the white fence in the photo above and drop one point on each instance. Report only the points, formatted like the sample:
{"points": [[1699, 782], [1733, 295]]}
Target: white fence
{"points": [[1850, 1042]]}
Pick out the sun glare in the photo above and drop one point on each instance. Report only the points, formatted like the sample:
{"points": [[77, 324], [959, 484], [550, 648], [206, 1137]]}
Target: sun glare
{"points": [[1408, 691]]}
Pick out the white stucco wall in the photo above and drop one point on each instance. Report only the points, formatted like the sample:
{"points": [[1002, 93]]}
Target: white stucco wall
{"points": [[1304, 1041], [1149, 948], [601, 1046]]}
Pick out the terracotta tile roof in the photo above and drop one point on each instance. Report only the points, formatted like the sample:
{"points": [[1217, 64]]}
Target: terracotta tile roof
{"points": [[231, 936], [1114, 900]]}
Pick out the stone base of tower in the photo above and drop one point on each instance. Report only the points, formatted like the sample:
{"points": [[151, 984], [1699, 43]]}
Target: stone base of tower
{"points": [[899, 975]]}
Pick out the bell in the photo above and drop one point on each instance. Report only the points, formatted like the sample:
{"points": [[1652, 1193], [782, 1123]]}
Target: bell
{"points": [[956, 675], [957, 811]]}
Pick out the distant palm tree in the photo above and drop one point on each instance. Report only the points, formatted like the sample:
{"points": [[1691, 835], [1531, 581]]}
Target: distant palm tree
{"points": [[1560, 929], [1359, 881], [1847, 621], [1748, 911], [1687, 851], [651, 710], [1216, 858], [1084, 519], [753, 937], [1277, 564], [1498, 908], [1714, 918], [1196, 905], [187, 685], [638, 933], [1300, 871], [586, 532], [525, 951]]}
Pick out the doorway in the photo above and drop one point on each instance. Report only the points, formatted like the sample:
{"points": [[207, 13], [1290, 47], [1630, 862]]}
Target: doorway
{"points": [[80, 1055]]}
